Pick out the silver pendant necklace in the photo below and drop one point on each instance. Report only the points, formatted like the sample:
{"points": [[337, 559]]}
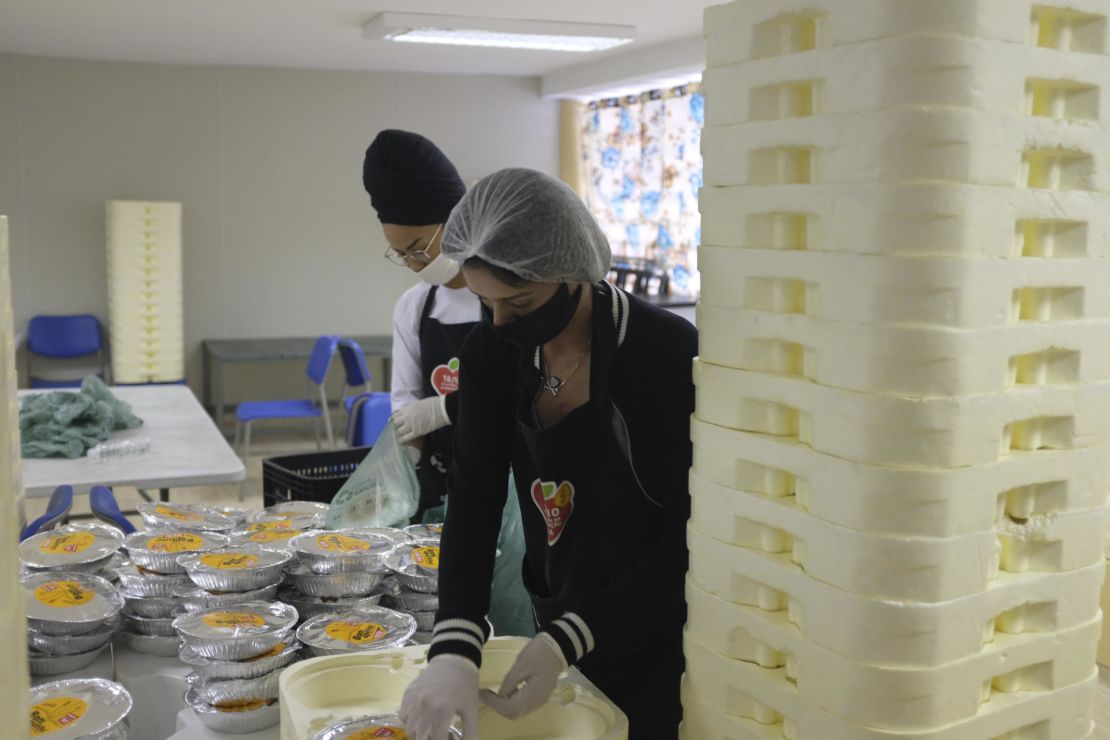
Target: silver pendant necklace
{"points": [[553, 384]]}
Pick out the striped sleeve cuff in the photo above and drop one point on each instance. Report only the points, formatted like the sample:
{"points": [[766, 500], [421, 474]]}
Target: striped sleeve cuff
{"points": [[572, 635], [459, 637]]}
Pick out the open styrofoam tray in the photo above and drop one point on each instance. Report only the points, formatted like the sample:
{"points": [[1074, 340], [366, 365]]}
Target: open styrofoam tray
{"points": [[891, 696], [918, 361], [887, 631], [319, 692]]}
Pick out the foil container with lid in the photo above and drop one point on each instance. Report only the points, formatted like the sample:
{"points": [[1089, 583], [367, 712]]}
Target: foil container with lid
{"points": [[305, 508], [209, 669], [159, 550], [311, 606], [50, 664], [277, 539], [234, 692], [424, 531], [79, 709], [412, 601], [160, 645], [237, 514], [155, 607], [69, 603], [425, 621], [194, 599], [137, 581], [70, 549], [333, 585], [162, 626], [239, 720], [341, 551], [162, 515], [73, 644], [236, 632], [356, 630], [379, 726], [416, 565], [236, 568], [276, 521], [394, 535]]}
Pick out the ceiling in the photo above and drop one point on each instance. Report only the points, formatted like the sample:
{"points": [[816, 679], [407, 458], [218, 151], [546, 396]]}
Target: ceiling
{"points": [[315, 34]]}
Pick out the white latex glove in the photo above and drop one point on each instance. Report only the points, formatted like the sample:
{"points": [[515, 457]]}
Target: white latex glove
{"points": [[420, 418], [447, 688], [531, 680]]}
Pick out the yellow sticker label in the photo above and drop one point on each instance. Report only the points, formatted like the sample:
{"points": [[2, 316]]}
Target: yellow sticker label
{"points": [[69, 543], [356, 633], [231, 620], [56, 714], [240, 705], [278, 650], [179, 514], [63, 594], [177, 542], [284, 524], [341, 543], [229, 560], [274, 536], [426, 557], [376, 731]]}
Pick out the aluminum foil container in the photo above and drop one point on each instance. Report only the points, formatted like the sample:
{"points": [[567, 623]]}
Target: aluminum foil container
{"points": [[236, 632], [425, 621], [155, 607], [73, 644], [162, 626], [195, 599], [159, 550], [356, 630], [424, 531], [235, 691], [341, 551], [70, 549], [160, 645], [236, 568], [333, 585], [160, 515], [382, 725], [306, 508], [390, 586], [237, 514], [139, 582], [396, 536], [276, 521], [311, 606], [48, 664], [416, 565], [79, 709], [283, 654], [69, 603], [253, 717], [277, 539], [412, 601]]}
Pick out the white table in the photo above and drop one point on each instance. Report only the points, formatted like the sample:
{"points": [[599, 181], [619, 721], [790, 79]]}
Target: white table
{"points": [[189, 727], [186, 449]]}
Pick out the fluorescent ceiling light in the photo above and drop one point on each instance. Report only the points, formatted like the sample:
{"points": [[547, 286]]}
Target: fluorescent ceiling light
{"points": [[425, 28]]}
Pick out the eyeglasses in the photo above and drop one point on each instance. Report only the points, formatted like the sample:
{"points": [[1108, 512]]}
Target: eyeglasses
{"points": [[420, 256]]}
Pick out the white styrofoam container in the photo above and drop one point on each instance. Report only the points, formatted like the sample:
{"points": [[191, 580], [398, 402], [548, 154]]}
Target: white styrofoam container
{"points": [[894, 430], [905, 360], [888, 631]]}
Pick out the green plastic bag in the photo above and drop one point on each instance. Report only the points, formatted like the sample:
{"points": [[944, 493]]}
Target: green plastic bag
{"points": [[383, 490], [67, 424]]}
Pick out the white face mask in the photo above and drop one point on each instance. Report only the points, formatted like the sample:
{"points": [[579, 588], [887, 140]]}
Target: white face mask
{"points": [[439, 271]]}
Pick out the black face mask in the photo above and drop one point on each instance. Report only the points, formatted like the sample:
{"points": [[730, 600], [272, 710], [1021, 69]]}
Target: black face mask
{"points": [[539, 327]]}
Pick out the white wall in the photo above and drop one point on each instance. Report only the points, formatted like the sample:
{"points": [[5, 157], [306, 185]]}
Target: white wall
{"points": [[279, 237]]}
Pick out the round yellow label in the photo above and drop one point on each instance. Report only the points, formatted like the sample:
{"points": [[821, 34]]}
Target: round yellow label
{"points": [[229, 560], [356, 633], [56, 714], [341, 543], [270, 526], [426, 557], [177, 542], [63, 594], [378, 731], [179, 514], [231, 620], [274, 535], [69, 543]]}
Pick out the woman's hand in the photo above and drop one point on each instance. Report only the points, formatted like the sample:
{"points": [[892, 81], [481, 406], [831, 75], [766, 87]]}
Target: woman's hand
{"points": [[420, 418], [446, 689], [531, 680]]}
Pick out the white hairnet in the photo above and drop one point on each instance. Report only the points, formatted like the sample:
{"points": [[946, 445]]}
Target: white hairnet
{"points": [[530, 224]]}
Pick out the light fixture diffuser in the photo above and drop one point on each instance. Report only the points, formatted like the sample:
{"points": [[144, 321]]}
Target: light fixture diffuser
{"points": [[426, 28]]}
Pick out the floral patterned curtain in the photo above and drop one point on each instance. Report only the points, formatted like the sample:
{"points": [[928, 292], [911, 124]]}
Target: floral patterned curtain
{"points": [[643, 170]]}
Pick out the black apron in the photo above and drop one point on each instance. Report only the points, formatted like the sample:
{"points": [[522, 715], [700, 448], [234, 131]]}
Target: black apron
{"points": [[586, 520], [440, 347]]}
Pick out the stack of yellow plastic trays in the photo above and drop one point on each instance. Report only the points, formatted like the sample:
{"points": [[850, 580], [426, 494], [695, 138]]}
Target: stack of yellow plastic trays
{"points": [[901, 438], [146, 314]]}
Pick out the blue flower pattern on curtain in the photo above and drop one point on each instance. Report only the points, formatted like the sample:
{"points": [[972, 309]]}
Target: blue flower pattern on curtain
{"points": [[643, 168]]}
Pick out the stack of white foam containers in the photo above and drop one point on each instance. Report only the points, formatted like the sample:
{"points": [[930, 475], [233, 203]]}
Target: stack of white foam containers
{"points": [[903, 415], [145, 309]]}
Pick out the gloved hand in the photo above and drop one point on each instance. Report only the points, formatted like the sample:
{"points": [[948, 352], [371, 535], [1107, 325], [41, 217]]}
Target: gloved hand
{"points": [[447, 688], [420, 418], [531, 680]]}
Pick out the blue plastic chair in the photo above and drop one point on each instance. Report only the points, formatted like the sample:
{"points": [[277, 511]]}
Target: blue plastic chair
{"points": [[313, 407], [63, 338], [367, 417], [105, 508], [57, 508]]}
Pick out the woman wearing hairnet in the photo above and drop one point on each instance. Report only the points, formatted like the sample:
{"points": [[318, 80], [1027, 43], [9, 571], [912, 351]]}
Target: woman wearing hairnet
{"points": [[587, 393]]}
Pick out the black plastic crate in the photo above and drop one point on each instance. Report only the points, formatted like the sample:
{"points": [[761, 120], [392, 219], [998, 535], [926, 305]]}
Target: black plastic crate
{"points": [[316, 476]]}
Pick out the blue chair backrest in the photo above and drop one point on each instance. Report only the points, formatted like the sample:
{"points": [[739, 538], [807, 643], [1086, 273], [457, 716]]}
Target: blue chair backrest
{"points": [[370, 414], [61, 501], [320, 360], [354, 363], [63, 336]]}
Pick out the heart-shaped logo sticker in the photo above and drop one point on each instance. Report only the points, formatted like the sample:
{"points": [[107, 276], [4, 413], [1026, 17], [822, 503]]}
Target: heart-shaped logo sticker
{"points": [[445, 378], [556, 503]]}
